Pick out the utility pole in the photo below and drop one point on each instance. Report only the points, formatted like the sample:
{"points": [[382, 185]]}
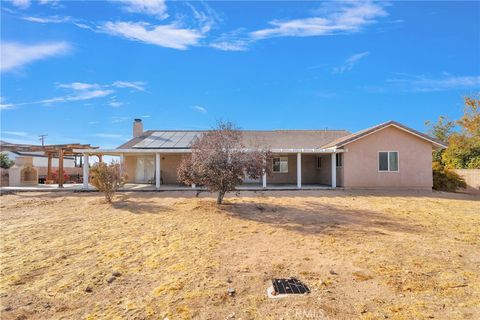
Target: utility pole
{"points": [[42, 138]]}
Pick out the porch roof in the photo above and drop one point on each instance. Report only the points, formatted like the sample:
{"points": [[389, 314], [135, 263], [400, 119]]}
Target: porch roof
{"points": [[117, 152]]}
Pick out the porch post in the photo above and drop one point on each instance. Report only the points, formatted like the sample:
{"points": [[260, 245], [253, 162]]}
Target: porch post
{"points": [[334, 170], [299, 170], [264, 175], [194, 185], [49, 167], [122, 163], [60, 168], [157, 170], [85, 171]]}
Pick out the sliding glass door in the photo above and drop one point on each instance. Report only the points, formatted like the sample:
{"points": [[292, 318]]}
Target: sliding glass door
{"points": [[145, 170]]}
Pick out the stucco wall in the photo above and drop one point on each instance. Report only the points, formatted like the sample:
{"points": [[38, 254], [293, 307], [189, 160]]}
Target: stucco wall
{"points": [[129, 167], [415, 161], [310, 173], [168, 167], [288, 177], [472, 179]]}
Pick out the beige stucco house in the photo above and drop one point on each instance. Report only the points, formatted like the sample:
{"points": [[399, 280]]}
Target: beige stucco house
{"points": [[389, 155]]}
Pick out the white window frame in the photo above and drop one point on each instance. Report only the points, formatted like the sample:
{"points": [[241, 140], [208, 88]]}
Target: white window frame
{"points": [[319, 160], [388, 161], [281, 158]]}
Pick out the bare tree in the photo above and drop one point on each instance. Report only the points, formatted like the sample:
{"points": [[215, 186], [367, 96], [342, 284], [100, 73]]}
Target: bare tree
{"points": [[220, 161]]}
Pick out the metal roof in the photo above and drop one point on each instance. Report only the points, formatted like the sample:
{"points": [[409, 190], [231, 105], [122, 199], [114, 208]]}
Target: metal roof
{"points": [[167, 140], [272, 139]]}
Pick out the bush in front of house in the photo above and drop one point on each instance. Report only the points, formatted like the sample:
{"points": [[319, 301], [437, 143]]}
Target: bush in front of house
{"points": [[5, 162], [445, 179], [107, 178]]}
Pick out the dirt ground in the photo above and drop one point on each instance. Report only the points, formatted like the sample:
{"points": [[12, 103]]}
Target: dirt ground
{"points": [[156, 255]]}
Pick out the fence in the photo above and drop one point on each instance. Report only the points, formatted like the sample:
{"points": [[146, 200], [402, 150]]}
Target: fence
{"points": [[472, 178]]}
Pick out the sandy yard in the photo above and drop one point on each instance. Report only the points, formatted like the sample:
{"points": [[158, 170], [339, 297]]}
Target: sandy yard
{"points": [[364, 255]]}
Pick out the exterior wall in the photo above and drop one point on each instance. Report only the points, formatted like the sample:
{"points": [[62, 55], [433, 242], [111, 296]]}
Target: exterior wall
{"points": [[289, 177], [472, 178], [313, 175], [310, 173], [168, 167], [360, 165], [129, 167], [340, 176]]}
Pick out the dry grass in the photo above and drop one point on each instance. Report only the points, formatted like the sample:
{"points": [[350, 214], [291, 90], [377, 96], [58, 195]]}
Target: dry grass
{"points": [[364, 255]]}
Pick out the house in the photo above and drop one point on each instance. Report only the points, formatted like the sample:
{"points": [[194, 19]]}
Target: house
{"points": [[389, 155]]}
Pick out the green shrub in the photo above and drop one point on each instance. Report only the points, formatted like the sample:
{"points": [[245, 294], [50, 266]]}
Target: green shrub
{"points": [[445, 179]]}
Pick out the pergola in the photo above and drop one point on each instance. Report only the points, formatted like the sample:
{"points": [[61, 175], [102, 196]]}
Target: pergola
{"points": [[53, 150]]}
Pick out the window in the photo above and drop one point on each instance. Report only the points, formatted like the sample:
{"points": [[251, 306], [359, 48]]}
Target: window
{"points": [[280, 165], [388, 161], [319, 162], [339, 159]]}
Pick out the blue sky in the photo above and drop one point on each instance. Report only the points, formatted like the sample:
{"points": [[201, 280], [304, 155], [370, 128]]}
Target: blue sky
{"points": [[80, 71]]}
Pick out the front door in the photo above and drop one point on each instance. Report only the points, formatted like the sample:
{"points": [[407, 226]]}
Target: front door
{"points": [[145, 170]]}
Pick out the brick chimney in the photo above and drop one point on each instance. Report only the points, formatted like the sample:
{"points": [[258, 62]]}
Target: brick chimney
{"points": [[137, 128]]}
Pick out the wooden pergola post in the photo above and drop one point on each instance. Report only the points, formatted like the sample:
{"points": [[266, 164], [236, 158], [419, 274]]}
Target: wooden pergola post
{"points": [[99, 158], [60, 168], [49, 167]]}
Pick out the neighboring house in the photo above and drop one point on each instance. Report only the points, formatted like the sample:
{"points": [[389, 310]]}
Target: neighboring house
{"points": [[40, 160], [389, 155]]}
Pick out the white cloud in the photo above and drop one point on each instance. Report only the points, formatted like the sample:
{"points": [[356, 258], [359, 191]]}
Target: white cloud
{"points": [[169, 36], [93, 122], [51, 19], [137, 85], [81, 95], [422, 83], [157, 8], [350, 62], [16, 133], [22, 4], [4, 105], [79, 91], [115, 104], [343, 17], [199, 109], [117, 119], [205, 20], [232, 41], [15, 55], [146, 116], [78, 86], [108, 135]]}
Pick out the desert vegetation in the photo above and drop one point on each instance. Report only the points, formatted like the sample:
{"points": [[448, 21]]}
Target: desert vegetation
{"points": [[463, 152], [373, 255], [107, 178], [220, 161]]}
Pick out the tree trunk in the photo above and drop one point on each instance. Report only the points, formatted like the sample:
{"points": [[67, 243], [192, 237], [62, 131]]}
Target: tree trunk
{"points": [[221, 194]]}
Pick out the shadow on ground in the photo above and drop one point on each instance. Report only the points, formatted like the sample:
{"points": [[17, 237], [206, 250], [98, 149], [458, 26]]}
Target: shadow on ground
{"points": [[315, 218]]}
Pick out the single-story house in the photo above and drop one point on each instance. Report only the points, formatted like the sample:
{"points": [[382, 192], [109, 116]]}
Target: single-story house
{"points": [[389, 155]]}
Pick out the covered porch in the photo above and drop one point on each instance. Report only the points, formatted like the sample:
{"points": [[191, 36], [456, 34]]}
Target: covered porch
{"points": [[149, 169]]}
